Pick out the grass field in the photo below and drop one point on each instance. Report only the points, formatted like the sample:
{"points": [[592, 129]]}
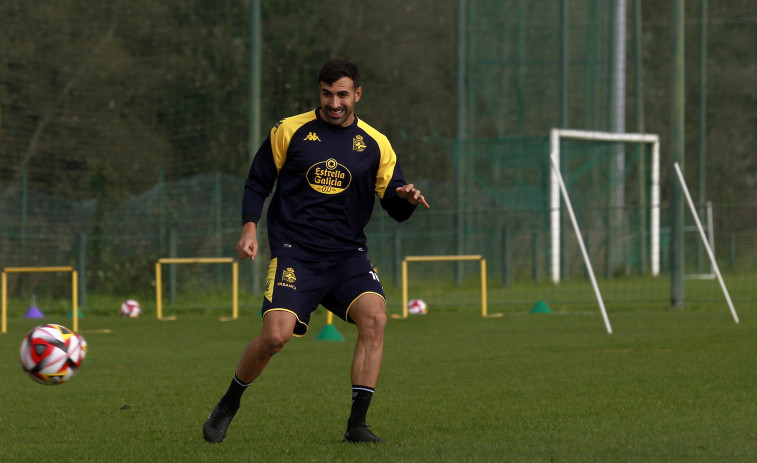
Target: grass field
{"points": [[667, 385]]}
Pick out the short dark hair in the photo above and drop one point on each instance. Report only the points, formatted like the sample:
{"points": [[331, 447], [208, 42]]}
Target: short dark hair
{"points": [[335, 69]]}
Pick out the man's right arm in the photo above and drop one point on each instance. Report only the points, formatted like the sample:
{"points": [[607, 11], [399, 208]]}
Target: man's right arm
{"points": [[257, 187], [259, 183]]}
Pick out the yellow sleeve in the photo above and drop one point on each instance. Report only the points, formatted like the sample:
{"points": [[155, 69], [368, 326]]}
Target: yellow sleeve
{"points": [[281, 135], [386, 169], [387, 162]]}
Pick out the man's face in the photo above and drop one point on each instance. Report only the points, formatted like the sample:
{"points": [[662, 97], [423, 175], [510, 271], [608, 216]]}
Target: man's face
{"points": [[338, 101]]}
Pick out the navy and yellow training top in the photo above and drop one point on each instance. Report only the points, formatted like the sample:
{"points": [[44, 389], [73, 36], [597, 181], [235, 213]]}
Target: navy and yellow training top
{"points": [[328, 178]]}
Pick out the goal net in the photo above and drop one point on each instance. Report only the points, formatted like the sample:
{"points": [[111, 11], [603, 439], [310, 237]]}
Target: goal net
{"points": [[614, 181], [703, 267]]}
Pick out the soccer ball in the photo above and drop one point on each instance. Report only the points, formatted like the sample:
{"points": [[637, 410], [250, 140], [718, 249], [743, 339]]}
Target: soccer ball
{"points": [[417, 307], [51, 354], [130, 308], [83, 345]]}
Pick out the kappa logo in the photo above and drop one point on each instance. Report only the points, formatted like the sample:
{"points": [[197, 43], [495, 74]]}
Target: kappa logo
{"points": [[358, 144], [312, 136]]}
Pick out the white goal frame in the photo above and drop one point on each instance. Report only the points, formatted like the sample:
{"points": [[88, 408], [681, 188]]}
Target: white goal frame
{"points": [[555, 135], [705, 242], [710, 233]]}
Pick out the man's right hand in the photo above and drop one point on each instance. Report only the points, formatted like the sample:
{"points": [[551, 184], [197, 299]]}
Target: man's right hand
{"points": [[248, 243]]}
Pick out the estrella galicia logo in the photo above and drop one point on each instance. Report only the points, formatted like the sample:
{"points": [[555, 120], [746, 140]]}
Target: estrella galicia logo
{"points": [[329, 177]]}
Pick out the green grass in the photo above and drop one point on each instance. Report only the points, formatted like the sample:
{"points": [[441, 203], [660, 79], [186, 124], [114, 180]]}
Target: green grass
{"points": [[665, 386]]}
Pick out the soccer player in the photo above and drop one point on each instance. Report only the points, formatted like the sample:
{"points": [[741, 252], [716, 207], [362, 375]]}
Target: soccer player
{"points": [[328, 166]]}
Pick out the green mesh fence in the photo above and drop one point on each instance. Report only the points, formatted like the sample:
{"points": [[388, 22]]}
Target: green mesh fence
{"points": [[124, 137]]}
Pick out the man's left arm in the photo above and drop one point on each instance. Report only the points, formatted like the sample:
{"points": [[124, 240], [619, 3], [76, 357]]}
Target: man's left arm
{"points": [[400, 198]]}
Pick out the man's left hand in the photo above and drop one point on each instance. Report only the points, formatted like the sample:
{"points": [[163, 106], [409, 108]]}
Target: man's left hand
{"points": [[411, 195]]}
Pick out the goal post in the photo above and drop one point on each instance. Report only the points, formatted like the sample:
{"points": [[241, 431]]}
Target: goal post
{"points": [[74, 291], [451, 258], [197, 260], [556, 135], [705, 242], [579, 238]]}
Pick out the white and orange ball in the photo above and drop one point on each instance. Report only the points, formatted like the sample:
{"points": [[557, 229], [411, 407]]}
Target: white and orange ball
{"points": [[51, 354], [131, 309], [83, 344], [417, 307]]}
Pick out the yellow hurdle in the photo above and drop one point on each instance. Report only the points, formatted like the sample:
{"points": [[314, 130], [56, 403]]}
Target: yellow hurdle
{"points": [[74, 291], [478, 257], [197, 260]]}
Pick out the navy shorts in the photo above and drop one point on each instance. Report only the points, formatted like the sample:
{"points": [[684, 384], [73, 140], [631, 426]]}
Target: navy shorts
{"points": [[299, 286]]}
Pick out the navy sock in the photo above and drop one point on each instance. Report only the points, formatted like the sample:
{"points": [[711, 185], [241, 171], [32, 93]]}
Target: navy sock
{"points": [[361, 400], [233, 396]]}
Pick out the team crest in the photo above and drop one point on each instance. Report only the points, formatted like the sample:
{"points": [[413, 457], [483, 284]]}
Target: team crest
{"points": [[358, 144], [288, 275]]}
